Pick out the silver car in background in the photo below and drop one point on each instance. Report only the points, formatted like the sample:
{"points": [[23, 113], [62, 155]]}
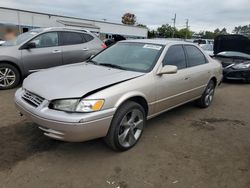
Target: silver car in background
{"points": [[112, 94], [44, 48]]}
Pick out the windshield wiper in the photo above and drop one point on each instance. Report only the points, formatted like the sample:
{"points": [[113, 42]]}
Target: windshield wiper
{"points": [[112, 66], [92, 61]]}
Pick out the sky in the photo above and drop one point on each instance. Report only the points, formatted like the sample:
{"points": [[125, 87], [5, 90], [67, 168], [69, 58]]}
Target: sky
{"points": [[202, 14]]}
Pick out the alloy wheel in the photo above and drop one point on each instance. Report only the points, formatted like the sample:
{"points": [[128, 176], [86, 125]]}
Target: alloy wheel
{"points": [[7, 77], [131, 128], [209, 94]]}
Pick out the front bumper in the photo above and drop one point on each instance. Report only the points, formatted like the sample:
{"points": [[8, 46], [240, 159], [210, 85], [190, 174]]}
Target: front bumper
{"points": [[236, 74], [73, 127]]}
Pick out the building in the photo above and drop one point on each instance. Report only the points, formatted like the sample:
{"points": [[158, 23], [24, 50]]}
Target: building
{"points": [[23, 21]]}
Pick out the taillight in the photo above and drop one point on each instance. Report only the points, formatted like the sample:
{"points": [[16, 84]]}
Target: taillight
{"points": [[104, 46]]}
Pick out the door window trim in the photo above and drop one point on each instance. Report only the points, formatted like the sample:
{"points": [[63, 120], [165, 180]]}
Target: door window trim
{"points": [[188, 65], [186, 61]]}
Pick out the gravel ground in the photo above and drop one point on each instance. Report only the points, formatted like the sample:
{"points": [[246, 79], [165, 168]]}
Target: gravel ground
{"points": [[186, 147]]}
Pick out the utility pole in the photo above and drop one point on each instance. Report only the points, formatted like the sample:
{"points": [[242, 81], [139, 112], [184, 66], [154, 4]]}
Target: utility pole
{"points": [[174, 20], [187, 27]]}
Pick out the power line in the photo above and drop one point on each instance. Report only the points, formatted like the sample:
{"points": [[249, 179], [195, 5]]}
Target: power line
{"points": [[187, 27], [174, 20]]}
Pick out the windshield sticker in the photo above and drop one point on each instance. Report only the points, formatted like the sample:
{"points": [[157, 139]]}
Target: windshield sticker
{"points": [[150, 46]]}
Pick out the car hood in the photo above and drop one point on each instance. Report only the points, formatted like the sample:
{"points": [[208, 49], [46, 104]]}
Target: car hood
{"points": [[236, 43], [74, 81], [6, 49]]}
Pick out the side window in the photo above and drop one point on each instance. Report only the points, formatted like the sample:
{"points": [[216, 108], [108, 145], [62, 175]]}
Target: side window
{"points": [[195, 56], [175, 56], [46, 40], [88, 37], [71, 38]]}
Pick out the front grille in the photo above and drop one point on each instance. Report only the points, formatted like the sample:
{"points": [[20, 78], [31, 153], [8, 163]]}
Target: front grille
{"points": [[32, 99]]}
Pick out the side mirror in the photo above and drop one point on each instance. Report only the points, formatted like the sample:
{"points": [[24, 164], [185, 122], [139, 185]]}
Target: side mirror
{"points": [[29, 45], [168, 69]]}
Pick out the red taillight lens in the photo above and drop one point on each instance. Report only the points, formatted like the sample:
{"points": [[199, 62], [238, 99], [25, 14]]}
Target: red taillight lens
{"points": [[104, 46]]}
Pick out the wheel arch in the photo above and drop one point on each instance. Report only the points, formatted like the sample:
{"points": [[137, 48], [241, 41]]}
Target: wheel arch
{"points": [[214, 79], [14, 65], [135, 97]]}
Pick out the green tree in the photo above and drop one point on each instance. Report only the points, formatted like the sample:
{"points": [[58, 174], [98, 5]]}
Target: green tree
{"points": [[152, 34], [243, 30], [129, 19], [165, 31], [209, 35], [184, 33]]}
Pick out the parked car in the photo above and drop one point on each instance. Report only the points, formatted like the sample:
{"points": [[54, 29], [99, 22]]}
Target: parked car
{"points": [[233, 51], [115, 92], [236, 65], [203, 41], [44, 48], [115, 39], [208, 48], [1, 42]]}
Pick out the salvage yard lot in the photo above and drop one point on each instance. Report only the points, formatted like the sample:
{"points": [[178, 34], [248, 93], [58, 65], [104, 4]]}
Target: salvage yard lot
{"points": [[186, 147]]}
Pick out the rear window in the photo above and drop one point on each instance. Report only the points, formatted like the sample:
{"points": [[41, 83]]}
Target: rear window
{"points": [[72, 38], [195, 56], [88, 37]]}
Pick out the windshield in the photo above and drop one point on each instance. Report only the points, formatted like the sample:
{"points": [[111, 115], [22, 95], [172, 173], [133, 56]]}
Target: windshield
{"points": [[139, 57], [20, 38]]}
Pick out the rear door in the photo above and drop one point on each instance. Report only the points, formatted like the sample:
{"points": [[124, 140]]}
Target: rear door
{"points": [[74, 47], [45, 54], [199, 70]]}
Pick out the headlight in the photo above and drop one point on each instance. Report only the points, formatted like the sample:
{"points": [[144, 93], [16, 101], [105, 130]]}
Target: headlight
{"points": [[89, 105], [77, 105], [242, 66]]}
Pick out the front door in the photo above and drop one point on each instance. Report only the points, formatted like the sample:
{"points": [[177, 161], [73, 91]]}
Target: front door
{"points": [[172, 89], [45, 54]]}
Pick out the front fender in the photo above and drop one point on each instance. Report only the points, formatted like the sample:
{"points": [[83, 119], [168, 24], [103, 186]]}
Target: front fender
{"points": [[127, 96]]}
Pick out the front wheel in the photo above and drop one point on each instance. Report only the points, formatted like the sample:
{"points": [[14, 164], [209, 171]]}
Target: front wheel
{"points": [[126, 127], [9, 76], [208, 95]]}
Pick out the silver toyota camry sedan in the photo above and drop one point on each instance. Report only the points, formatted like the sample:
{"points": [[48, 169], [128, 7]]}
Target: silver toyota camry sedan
{"points": [[113, 94]]}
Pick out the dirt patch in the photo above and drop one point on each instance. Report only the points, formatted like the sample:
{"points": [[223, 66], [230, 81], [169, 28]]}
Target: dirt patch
{"points": [[209, 123], [20, 141], [221, 120]]}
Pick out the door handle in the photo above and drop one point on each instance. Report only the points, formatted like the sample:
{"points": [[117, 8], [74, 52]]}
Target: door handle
{"points": [[85, 49], [56, 51], [187, 78]]}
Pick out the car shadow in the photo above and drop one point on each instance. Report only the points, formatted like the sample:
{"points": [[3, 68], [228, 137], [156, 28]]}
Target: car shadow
{"points": [[23, 140]]}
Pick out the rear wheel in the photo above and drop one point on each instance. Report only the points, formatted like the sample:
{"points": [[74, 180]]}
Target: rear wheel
{"points": [[126, 127], [208, 95], [9, 76]]}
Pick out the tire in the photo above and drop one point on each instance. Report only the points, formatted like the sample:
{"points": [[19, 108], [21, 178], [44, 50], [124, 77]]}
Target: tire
{"points": [[208, 95], [126, 127], [9, 76]]}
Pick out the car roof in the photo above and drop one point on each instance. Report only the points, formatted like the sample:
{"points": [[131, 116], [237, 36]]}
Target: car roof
{"points": [[61, 29], [157, 41]]}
